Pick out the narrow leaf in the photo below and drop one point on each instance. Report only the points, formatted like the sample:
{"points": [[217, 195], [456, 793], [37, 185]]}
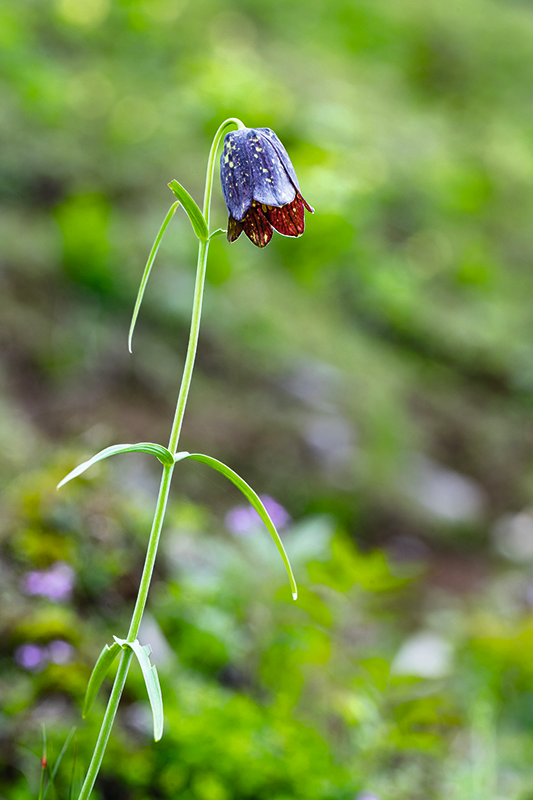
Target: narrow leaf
{"points": [[74, 760], [218, 232], [44, 764], [193, 212], [254, 499], [151, 680], [162, 453], [59, 760], [101, 668], [148, 268]]}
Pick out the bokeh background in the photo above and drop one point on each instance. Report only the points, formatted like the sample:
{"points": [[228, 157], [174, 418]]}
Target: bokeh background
{"points": [[373, 379]]}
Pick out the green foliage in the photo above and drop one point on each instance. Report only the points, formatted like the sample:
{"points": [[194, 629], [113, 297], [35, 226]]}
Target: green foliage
{"points": [[101, 668], [151, 680], [253, 499], [157, 450], [148, 268], [196, 217]]}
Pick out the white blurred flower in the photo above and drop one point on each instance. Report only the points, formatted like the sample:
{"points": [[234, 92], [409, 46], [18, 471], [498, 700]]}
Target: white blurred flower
{"points": [[443, 492], [425, 655], [513, 536]]}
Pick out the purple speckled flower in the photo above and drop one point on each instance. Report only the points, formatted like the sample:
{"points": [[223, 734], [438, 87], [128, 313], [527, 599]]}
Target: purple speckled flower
{"points": [[244, 520], [56, 583], [260, 187], [31, 657]]}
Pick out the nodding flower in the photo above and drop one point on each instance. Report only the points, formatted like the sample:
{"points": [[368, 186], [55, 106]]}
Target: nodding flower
{"points": [[260, 187]]}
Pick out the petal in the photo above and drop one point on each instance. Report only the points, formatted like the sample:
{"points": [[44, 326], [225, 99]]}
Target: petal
{"points": [[269, 134], [257, 227], [235, 229], [272, 185], [236, 173], [289, 219], [272, 138], [306, 204]]}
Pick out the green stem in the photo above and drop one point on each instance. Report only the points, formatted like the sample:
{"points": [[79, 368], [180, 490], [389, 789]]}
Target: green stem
{"points": [[198, 290], [164, 489], [151, 553], [191, 349], [125, 660], [107, 724]]}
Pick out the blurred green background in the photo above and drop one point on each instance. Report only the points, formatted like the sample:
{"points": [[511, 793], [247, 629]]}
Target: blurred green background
{"points": [[374, 377]]}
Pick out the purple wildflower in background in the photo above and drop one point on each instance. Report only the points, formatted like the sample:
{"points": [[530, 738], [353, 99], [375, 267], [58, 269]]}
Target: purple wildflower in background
{"points": [[55, 583], [243, 520], [31, 657], [35, 657], [60, 652], [260, 187]]}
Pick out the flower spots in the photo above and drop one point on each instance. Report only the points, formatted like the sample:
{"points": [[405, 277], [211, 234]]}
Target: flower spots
{"points": [[260, 187]]}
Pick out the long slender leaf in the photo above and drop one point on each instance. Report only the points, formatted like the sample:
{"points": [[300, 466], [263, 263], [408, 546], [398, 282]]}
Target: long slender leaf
{"points": [[162, 453], [151, 258], [59, 760], [44, 764], [193, 212], [74, 759], [100, 670], [151, 680], [253, 498]]}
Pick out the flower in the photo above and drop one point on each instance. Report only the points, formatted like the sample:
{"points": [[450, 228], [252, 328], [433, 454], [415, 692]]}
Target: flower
{"points": [[243, 520], [35, 657], [260, 187], [60, 652], [56, 583], [31, 657]]}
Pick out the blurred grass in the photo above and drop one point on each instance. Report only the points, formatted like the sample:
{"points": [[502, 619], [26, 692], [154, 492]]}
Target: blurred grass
{"points": [[375, 377]]}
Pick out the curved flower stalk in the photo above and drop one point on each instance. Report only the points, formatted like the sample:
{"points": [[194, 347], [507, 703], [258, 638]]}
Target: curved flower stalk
{"points": [[262, 192]]}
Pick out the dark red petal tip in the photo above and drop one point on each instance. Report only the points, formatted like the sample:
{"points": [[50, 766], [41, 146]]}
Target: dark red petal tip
{"points": [[306, 204], [289, 219], [257, 227]]}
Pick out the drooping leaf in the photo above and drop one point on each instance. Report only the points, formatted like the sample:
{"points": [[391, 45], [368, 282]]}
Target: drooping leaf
{"points": [[151, 680], [151, 258], [101, 668], [255, 501], [162, 453], [193, 212]]}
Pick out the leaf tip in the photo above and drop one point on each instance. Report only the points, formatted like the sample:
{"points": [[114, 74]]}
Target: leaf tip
{"points": [[295, 595]]}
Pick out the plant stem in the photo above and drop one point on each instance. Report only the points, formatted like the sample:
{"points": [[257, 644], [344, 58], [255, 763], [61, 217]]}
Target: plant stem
{"points": [[151, 553], [166, 479], [191, 349], [107, 724]]}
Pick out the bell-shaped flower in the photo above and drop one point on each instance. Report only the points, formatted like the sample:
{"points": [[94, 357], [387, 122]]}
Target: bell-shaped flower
{"points": [[260, 187]]}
